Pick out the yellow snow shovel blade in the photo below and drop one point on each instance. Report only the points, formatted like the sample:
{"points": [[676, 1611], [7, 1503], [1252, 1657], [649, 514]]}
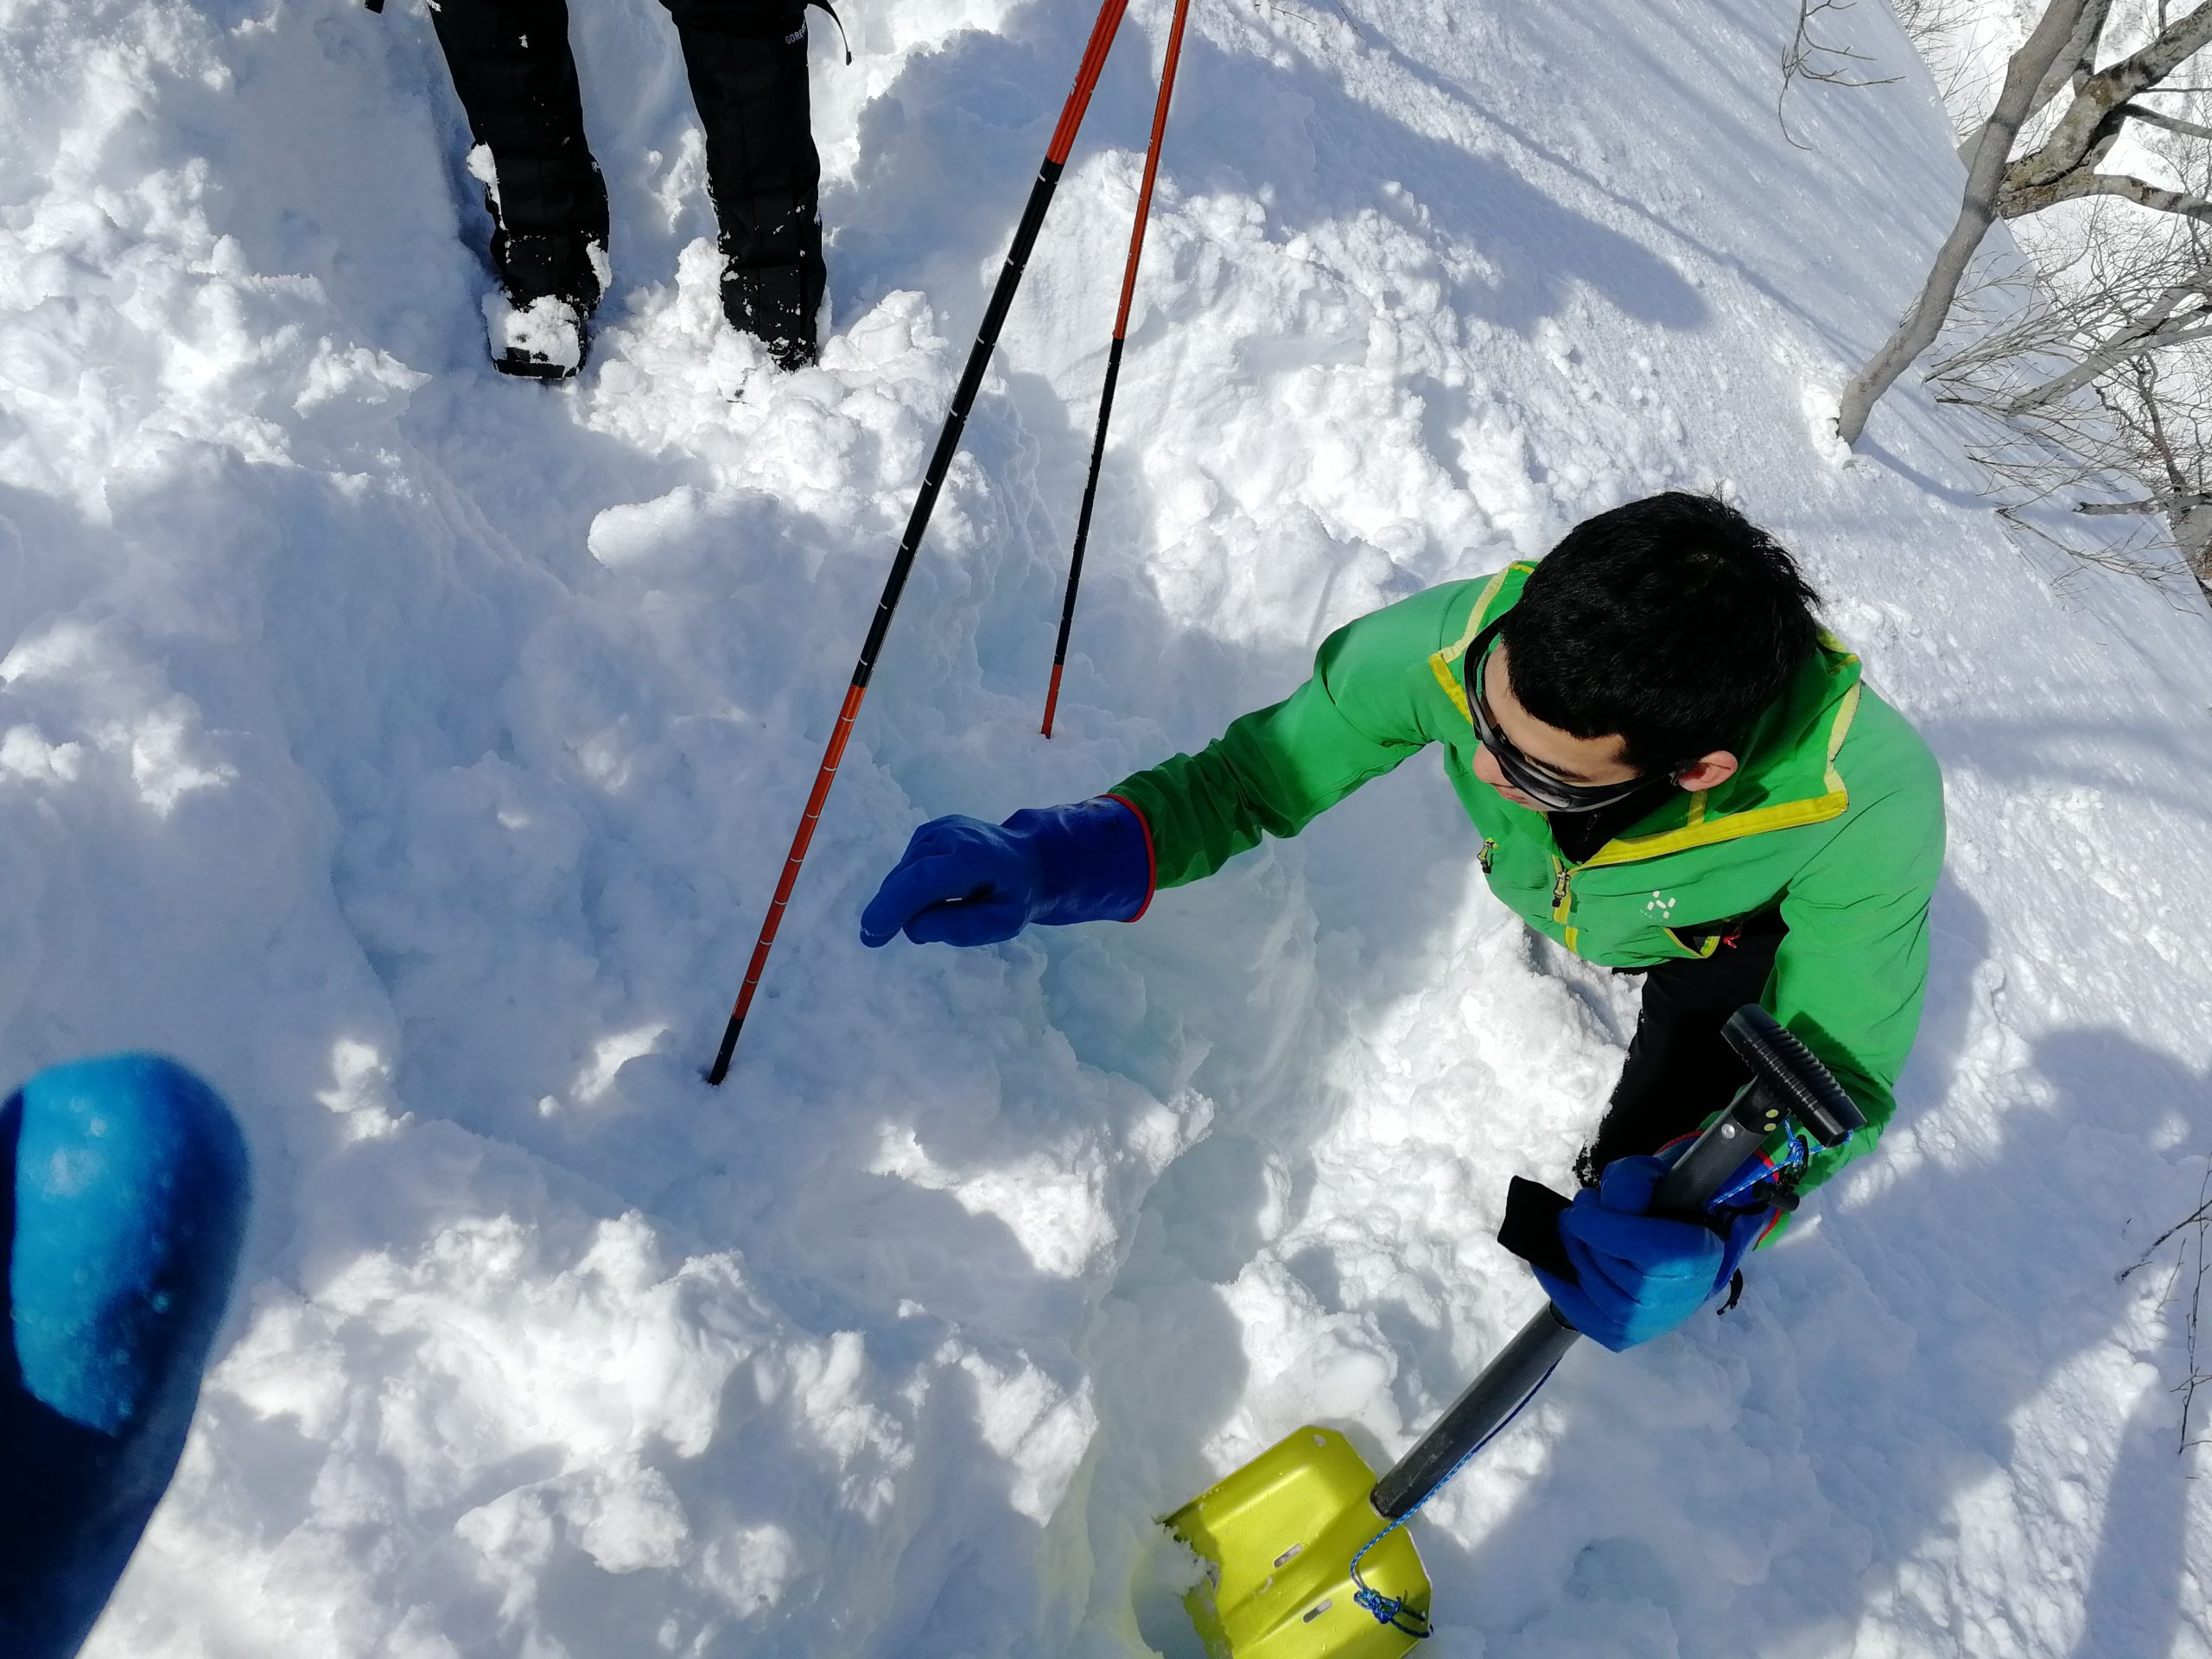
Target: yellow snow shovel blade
{"points": [[1278, 1537]]}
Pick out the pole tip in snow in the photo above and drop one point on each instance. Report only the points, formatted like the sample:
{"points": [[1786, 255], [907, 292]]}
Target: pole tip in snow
{"points": [[715, 1073]]}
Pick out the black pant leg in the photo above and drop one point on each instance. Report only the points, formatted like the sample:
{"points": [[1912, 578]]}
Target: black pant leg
{"points": [[517, 80], [1679, 1068], [747, 63]]}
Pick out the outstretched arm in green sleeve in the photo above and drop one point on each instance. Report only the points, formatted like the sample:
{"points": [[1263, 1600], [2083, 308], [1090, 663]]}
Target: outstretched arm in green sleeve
{"points": [[1276, 769]]}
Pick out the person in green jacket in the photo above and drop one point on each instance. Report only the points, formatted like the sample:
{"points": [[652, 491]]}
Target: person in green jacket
{"points": [[1672, 770]]}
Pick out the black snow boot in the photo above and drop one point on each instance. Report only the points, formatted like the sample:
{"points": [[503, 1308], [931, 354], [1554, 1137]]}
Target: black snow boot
{"points": [[776, 304], [746, 61], [517, 81], [550, 285]]}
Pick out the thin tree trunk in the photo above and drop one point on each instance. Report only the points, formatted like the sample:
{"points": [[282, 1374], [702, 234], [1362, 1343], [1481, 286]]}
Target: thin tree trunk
{"points": [[2023, 76]]}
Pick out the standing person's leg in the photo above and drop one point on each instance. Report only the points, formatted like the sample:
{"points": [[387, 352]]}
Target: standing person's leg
{"points": [[517, 81], [1679, 1068], [123, 1204], [746, 61]]}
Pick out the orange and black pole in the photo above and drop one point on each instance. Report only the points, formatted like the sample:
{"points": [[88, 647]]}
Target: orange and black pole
{"points": [[1114, 357], [971, 380]]}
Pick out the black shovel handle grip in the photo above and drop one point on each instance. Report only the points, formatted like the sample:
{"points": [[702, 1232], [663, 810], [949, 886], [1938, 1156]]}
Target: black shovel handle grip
{"points": [[1786, 1080], [1793, 1075]]}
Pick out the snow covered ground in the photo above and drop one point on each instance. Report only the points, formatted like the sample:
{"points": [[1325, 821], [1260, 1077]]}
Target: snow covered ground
{"points": [[413, 751]]}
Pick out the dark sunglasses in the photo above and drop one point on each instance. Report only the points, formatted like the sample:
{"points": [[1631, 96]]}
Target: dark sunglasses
{"points": [[1532, 778]]}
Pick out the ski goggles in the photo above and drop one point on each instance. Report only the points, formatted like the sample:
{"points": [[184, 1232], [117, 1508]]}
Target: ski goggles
{"points": [[1532, 778]]}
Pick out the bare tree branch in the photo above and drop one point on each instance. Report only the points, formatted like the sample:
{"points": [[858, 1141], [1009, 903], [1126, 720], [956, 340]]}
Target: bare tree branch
{"points": [[2023, 75], [2187, 128], [2154, 503], [2103, 361], [2202, 1212], [2162, 326], [2110, 296], [2074, 61], [2106, 451], [2015, 204], [2197, 1223], [2098, 99]]}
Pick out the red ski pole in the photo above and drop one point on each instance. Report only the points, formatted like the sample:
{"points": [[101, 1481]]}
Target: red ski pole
{"points": [[1114, 356], [964, 398]]}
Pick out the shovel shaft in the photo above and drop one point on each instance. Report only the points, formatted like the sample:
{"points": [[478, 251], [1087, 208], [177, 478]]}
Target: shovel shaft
{"points": [[1476, 1414], [1526, 1361]]}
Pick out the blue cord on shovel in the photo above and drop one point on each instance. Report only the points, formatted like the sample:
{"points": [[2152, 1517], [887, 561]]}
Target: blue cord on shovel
{"points": [[1387, 1609]]}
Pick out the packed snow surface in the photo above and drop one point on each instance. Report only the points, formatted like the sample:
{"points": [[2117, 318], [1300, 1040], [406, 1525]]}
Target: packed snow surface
{"points": [[414, 751]]}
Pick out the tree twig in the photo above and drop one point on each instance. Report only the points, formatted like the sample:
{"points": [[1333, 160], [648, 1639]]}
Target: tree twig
{"points": [[2193, 1375], [1808, 57]]}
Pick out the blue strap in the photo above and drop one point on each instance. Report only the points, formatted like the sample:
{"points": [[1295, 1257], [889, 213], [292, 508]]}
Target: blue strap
{"points": [[1391, 1610], [1759, 1168]]}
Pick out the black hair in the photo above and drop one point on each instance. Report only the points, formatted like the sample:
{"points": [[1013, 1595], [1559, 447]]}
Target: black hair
{"points": [[1673, 622]]}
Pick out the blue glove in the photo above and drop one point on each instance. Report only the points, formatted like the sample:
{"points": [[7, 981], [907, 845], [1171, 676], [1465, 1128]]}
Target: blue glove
{"points": [[1638, 1275], [963, 881], [125, 1199]]}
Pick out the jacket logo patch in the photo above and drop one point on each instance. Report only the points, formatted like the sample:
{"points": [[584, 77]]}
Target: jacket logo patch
{"points": [[1660, 906]]}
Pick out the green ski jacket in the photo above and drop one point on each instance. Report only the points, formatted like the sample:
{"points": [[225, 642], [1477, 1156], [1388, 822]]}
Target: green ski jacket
{"points": [[1836, 816]]}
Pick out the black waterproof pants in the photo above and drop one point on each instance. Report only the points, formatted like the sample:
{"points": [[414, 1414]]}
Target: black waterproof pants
{"points": [[517, 81], [746, 62], [1679, 1068]]}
